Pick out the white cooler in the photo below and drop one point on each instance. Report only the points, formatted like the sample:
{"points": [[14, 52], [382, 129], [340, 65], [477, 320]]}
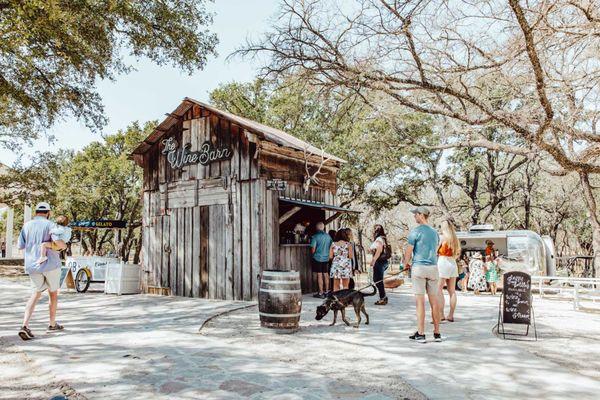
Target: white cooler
{"points": [[122, 278]]}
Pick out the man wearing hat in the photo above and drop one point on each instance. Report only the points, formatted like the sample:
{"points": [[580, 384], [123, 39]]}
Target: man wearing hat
{"points": [[421, 256], [45, 275]]}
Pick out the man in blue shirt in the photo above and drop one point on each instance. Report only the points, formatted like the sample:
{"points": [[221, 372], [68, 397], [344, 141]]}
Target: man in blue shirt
{"points": [[320, 243], [421, 256], [45, 275]]}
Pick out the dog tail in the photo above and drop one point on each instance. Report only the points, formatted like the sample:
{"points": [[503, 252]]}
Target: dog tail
{"points": [[371, 294]]}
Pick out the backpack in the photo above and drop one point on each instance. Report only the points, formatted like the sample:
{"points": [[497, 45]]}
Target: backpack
{"points": [[386, 252]]}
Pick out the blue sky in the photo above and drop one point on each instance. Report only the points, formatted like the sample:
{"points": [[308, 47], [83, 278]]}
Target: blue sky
{"points": [[152, 91]]}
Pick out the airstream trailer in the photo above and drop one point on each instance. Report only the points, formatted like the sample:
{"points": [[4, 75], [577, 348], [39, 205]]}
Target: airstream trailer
{"points": [[520, 250]]}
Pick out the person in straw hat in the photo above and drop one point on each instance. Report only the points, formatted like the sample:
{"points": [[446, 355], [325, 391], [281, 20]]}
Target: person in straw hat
{"points": [[477, 281]]}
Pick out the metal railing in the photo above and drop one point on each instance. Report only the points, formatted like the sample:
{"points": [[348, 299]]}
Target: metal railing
{"points": [[580, 288]]}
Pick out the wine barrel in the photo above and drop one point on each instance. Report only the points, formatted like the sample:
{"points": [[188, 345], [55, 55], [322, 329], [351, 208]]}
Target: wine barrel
{"points": [[280, 300]]}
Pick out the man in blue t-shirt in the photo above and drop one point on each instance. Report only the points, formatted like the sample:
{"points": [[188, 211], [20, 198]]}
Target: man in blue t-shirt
{"points": [[421, 256], [44, 275], [320, 243]]}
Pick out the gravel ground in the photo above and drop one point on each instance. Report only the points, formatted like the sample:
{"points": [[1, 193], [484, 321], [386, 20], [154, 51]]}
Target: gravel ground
{"points": [[149, 347]]}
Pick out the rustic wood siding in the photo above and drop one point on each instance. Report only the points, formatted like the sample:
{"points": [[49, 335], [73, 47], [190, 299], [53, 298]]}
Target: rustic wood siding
{"points": [[209, 231], [297, 258]]}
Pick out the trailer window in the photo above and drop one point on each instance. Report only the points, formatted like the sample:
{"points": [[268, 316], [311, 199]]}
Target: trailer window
{"points": [[518, 247]]}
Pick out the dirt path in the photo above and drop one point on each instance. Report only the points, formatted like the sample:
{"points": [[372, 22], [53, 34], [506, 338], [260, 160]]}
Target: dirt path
{"points": [[148, 347], [22, 379]]}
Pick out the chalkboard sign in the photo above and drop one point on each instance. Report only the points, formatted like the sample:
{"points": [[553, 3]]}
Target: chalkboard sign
{"points": [[516, 307]]}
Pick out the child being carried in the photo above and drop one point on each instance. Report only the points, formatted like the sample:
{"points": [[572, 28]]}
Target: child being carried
{"points": [[60, 234]]}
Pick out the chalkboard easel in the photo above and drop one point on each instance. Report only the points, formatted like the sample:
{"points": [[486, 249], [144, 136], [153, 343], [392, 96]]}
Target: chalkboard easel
{"points": [[516, 304]]}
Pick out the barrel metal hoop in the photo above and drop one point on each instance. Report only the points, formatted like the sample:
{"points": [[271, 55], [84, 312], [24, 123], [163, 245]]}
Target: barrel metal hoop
{"points": [[280, 291], [262, 314], [295, 274], [282, 282]]}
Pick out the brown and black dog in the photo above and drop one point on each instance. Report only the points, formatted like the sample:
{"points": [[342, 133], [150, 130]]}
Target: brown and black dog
{"points": [[338, 301]]}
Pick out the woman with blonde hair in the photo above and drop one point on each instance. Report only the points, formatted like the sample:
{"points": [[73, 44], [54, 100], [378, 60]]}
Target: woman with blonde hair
{"points": [[448, 253]]}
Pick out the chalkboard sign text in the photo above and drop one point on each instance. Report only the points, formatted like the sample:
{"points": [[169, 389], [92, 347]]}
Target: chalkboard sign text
{"points": [[516, 307]]}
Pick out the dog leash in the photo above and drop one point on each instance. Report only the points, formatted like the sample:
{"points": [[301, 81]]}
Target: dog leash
{"points": [[382, 280], [371, 284]]}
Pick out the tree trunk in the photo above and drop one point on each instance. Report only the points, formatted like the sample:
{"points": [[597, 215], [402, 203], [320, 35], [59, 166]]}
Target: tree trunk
{"points": [[138, 247], [590, 201]]}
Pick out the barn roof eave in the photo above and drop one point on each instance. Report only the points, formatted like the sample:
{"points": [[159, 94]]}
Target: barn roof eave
{"points": [[267, 133]]}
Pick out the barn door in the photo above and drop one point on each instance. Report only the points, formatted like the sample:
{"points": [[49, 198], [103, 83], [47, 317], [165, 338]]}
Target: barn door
{"points": [[199, 251], [219, 281]]}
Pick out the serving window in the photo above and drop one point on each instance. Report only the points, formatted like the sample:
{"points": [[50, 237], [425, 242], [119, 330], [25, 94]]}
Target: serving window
{"points": [[296, 213]]}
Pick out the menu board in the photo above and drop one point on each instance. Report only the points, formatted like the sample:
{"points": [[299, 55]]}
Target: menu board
{"points": [[516, 306]]}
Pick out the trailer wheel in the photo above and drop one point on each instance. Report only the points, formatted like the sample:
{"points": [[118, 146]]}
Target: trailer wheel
{"points": [[82, 281]]}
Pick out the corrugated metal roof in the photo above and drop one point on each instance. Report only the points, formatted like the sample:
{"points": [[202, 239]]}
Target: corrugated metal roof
{"points": [[316, 204], [265, 132]]}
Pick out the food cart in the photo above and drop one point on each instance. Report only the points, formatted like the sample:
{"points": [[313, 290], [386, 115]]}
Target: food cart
{"points": [[85, 270], [520, 250]]}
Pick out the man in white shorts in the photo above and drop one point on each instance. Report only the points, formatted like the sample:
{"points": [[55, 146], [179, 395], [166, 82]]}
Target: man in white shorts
{"points": [[421, 256], [45, 275]]}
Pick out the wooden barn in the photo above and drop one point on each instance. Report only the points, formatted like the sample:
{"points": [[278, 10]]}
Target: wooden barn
{"points": [[222, 195]]}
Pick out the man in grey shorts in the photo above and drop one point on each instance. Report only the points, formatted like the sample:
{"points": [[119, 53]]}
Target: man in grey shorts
{"points": [[421, 256], [45, 275]]}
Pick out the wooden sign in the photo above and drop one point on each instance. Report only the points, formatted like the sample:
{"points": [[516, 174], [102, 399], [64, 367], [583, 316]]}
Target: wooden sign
{"points": [[276, 184], [179, 157], [516, 306], [99, 224]]}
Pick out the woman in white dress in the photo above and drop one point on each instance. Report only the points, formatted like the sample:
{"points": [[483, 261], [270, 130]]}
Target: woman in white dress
{"points": [[477, 281], [341, 255], [448, 253]]}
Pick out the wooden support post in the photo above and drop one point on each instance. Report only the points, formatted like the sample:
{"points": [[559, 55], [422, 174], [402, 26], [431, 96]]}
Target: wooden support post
{"points": [[10, 215], [333, 217], [288, 214], [26, 213]]}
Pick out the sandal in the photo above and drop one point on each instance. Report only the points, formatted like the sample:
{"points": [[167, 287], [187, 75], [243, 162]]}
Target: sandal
{"points": [[56, 328], [450, 319], [25, 333], [381, 302]]}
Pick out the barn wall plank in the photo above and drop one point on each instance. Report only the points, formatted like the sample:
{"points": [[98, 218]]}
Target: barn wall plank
{"points": [[165, 255], [186, 136], [188, 250], [228, 233], [180, 250], [158, 251], [173, 251], [274, 227], [257, 232], [195, 249], [246, 206], [204, 251], [215, 167], [212, 253], [237, 217], [219, 268]]}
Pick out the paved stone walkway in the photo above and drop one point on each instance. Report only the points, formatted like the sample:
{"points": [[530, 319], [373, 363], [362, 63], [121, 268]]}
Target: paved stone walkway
{"points": [[149, 347]]}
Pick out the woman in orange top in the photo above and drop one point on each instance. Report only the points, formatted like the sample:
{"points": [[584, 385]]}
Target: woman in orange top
{"points": [[448, 253], [489, 249]]}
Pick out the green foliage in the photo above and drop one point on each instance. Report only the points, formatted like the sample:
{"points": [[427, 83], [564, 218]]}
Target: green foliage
{"points": [[98, 182], [53, 52], [341, 125]]}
